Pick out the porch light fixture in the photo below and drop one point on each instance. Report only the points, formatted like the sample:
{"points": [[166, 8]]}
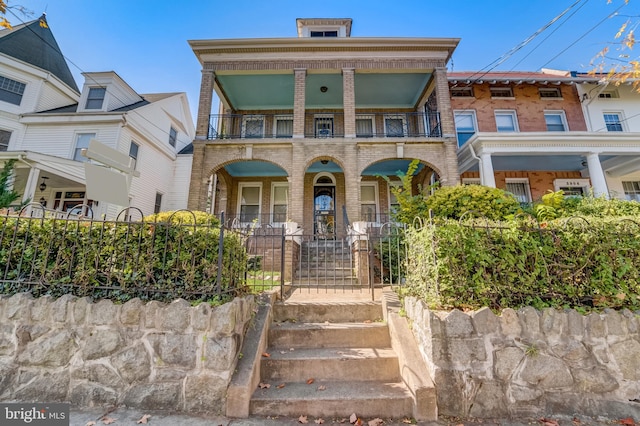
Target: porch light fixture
{"points": [[323, 89], [43, 185], [43, 202]]}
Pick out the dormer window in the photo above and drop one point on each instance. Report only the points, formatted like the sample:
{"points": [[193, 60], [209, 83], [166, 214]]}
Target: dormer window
{"points": [[324, 27], [95, 98], [333, 33]]}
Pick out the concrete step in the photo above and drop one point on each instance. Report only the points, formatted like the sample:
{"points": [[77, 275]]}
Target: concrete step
{"points": [[332, 312], [338, 399], [322, 272], [330, 364], [290, 334]]}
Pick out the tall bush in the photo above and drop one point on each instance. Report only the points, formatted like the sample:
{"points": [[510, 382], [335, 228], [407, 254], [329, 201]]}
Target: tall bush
{"points": [[455, 201]]}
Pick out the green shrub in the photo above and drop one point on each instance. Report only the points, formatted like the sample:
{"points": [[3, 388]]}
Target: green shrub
{"points": [[184, 217], [454, 201]]}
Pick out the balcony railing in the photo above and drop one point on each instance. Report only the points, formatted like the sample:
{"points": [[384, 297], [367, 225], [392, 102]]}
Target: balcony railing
{"points": [[325, 125]]}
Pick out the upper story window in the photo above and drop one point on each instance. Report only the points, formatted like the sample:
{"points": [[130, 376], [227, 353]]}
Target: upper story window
{"points": [[133, 153], [506, 121], [501, 92], [5, 136], [394, 125], [549, 92], [465, 122], [173, 136], [283, 127], [11, 91], [613, 121], [609, 94], [330, 33], [462, 92], [157, 206], [253, 126], [556, 121], [82, 141], [364, 126], [95, 98]]}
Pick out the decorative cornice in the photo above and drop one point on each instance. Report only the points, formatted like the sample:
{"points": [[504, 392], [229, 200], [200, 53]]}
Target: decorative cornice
{"points": [[289, 65]]}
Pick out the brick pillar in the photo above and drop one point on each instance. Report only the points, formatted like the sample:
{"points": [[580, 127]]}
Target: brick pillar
{"points": [[349, 102], [204, 104], [300, 76], [296, 185], [451, 175], [198, 186]]}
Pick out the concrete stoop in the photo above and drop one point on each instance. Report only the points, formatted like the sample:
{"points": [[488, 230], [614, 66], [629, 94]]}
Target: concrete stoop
{"points": [[332, 359]]}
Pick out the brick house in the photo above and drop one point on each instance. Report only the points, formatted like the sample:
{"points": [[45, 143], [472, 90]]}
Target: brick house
{"points": [[307, 125]]}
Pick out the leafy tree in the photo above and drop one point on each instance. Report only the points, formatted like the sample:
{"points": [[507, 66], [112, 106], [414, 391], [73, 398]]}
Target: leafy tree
{"points": [[7, 196], [410, 205], [454, 201]]}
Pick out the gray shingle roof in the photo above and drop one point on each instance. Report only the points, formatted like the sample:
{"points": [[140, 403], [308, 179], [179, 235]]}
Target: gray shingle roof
{"points": [[35, 44]]}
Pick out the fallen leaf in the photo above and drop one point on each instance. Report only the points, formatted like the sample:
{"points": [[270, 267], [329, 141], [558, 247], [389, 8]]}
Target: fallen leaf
{"points": [[353, 418], [108, 420], [280, 386], [309, 381], [264, 385], [376, 422], [91, 423], [143, 419], [548, 422], [303, 420], [628, 422], [321, 388], [368, 322], [266, 354], [319, 421]]}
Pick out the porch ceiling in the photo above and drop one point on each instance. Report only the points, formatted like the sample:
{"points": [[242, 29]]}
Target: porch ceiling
{"points": [[254, 168], [246, 92]]}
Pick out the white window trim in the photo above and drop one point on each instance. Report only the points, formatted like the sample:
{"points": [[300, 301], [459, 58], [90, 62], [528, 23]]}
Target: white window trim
{"points": [[471, 181], [502, 97], [273, 200], [341, 29], [137, 159], [76, 136], [585, 184], [376, 197], [513, 115], [472, 112], [315, 124], [367, 117], [527, 186], [394, 183], [620, 118], [562, 115], [85, 99], [549, 89], [283, 117], [256, 117], [465, 89], [242, 185], [395, 117]]}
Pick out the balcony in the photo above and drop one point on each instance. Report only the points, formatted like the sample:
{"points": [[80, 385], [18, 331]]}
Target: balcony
{"points": [[325, 125]]}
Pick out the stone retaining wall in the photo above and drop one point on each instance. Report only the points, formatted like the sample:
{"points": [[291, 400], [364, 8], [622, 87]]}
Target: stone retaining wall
{"points": [[144, 355], [530, 363]]}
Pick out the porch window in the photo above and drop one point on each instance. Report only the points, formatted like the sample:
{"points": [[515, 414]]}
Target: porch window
{"points": [[253, 126], [324, 126], [95, 98], [133, 153], [283, 127], [465, 122], [5, 136], [249, 198], [11, 91], [613, 122], [157, 207], [368, 203], [82, 142], [519, 188], [364, 126], [279, 201], [67, 201], [631, 190], [506, 121], [394, 125], [555, 120]]}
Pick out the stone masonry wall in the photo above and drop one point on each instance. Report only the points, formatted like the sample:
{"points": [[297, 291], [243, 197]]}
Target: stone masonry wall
{"points": [[531, 363], [144, 355]]}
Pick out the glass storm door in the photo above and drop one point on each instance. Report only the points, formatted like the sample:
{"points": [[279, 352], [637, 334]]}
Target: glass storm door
{"points": [[324, 212]]}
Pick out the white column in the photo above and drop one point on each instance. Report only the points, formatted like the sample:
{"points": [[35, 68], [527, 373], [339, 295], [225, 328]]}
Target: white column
{"points": [[32, 184], [598, 181], [486, 171]]}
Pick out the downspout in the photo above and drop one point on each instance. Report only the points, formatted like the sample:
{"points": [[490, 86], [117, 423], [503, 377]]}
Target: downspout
{"points": [[475, 157]]}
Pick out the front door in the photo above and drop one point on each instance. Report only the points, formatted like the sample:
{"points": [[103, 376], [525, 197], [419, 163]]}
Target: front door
{"points": [[324, 212]]}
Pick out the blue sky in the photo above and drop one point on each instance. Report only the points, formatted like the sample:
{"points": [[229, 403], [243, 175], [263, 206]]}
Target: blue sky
{"points": [[145, 41]]}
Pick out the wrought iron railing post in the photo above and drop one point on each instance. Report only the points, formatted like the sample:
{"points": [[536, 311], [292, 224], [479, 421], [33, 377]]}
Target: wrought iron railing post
{"points": [[220, 254], [283, 252]]}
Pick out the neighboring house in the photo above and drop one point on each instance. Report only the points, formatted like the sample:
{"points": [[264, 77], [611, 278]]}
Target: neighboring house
{"points": [[307, 126], [46, 121], [526, 132]]}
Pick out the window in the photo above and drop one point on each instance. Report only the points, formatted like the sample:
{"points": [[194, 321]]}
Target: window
{"points": [[394, 125], [609, 94], [369, 202], [82, 142], [549, 92], [556, 121], [253, 126], [11, 91], [471, 181], [173, 136], [394, 205], [95, 98], [284, 126], [157, 207], [506, 121], [332, 33], [519, 188], [501, 92], [249, 198], [572, 187], [5, 136], [613, 122], [631, 190], [324, 126], [279, 201], [462, 92], [133, 153], [465, 122], [364, 126]]}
